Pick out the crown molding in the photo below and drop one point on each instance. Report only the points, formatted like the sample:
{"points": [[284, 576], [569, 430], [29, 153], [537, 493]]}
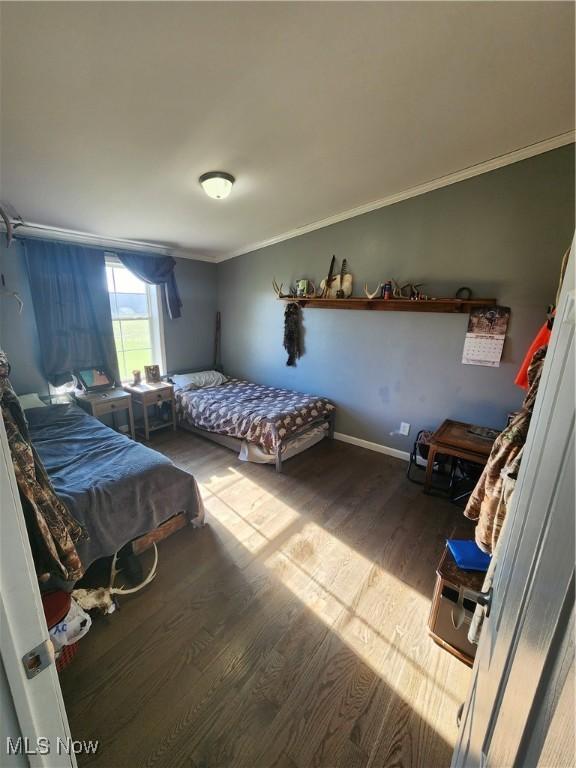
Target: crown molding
{"points": [[421, 189], [31, 229]]}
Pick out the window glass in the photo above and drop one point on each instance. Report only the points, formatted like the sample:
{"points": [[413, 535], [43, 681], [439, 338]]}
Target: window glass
{"points": [[132, 320], [126, 282]]}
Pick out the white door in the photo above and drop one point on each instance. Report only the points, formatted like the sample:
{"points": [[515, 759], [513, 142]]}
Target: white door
{"points": [[41, 735], [533, 590]]}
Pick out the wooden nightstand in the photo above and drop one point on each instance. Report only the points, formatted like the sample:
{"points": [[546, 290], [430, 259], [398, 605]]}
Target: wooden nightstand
{"points": [[146, 395], [100, 404], [449, 581]]}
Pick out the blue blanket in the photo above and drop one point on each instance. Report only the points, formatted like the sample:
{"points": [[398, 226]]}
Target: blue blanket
{"points": [[116, 488]]}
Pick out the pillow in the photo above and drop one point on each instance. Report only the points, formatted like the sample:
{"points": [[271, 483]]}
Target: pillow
{"points": [[198, 380], [31, 401]]}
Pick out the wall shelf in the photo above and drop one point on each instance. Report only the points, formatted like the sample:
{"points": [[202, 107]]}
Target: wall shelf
{"points": [[395, 305]]}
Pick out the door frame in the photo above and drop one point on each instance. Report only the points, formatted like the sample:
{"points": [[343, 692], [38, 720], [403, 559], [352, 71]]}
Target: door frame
{"points": [[38, 701], [533, 585]]}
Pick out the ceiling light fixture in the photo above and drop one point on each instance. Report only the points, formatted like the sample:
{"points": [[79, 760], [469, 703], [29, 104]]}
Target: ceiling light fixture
{"points": [[217, 184]]}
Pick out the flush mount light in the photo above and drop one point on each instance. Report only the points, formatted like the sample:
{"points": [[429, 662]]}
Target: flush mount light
{"points": [[217, 184]]}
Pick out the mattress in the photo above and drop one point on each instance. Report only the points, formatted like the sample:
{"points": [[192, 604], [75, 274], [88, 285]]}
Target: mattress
{"points": [[116, 488], [265, 416]]}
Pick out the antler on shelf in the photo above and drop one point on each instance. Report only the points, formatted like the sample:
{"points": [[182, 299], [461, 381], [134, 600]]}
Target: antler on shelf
{"points": [[278, 290], [374, 294]]}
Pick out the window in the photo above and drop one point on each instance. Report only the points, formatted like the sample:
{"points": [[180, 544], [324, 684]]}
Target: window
{"points": [[137, 320]]}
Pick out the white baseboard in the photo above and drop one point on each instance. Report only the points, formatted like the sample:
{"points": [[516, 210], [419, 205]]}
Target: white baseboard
{"points": [[378, 447]]}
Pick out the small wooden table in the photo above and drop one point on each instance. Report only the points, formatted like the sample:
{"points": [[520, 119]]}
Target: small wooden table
{"points": [[453, 438], [145, 395], [112, 401]]}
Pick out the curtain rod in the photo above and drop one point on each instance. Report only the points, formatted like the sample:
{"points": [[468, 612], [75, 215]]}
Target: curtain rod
{"points": [[73, 235]]}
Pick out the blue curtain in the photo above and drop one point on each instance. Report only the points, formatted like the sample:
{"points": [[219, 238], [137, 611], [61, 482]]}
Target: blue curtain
{"points": [[156, 270], [72, 308]]}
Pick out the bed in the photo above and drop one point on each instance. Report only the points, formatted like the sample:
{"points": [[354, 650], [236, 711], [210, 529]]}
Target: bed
{"points": [[116, 488], [264, 424]]}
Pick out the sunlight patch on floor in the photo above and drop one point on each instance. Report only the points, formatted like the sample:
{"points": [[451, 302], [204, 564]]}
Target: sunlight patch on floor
{"points": [[222, 478], [348, 592], [354, 597], [255, 534]]}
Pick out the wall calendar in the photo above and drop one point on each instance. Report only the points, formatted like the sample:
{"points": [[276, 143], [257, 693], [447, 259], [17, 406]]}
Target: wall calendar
{"points": [[485, 336]]}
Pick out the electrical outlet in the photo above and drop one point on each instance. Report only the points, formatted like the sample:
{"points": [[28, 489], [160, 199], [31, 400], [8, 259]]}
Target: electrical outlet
{"points": [[404, 428]]}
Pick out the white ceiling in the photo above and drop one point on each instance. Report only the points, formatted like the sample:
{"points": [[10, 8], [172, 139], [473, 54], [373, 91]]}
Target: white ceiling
{"points": [[111, 111]]}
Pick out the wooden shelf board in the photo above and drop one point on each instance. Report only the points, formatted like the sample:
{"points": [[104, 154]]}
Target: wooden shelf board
{"points": [[394, 305]]}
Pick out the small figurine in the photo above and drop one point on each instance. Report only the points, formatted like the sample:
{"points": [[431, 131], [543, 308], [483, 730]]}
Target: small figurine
{"points": [[301, 288], [136, 377]]}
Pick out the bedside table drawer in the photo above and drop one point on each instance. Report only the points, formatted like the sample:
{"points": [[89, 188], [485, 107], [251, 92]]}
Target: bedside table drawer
{"points": [[109, 406], [161, 396]]}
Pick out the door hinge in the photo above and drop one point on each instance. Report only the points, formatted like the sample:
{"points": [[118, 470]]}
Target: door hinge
{"points": [[38, 658]]}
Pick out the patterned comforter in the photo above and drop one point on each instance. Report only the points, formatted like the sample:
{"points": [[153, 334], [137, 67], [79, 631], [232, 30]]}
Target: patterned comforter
{"points": [[252, 412]]}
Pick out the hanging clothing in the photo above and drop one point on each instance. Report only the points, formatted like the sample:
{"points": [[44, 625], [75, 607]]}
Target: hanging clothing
{"points": [[72, 309], [292, 339], [542, 339], [488, 503], [509, 476], [543, 336], [52, 530]]}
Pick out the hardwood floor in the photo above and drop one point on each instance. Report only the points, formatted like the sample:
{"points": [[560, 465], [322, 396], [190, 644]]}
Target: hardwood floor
{"points": [[289, 632]]}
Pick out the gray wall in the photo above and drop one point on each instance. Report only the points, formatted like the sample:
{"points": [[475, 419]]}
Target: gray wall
{"points": [[18, 333], [189, 339], [503, 234]]}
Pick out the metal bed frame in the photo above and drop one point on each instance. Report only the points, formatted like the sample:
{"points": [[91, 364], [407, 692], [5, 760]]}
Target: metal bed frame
{"points": [[330, 420], [282, 444]]}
